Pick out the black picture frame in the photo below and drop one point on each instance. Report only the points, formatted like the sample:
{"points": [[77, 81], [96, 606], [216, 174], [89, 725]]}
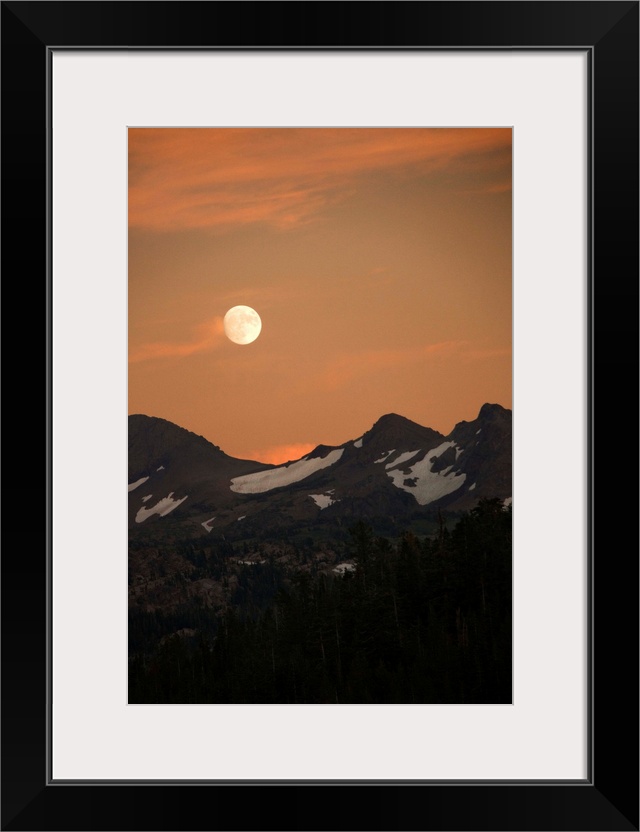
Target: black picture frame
{"points": [[608, 798]]}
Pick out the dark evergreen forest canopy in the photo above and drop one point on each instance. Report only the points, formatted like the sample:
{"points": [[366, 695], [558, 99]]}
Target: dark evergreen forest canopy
{"points": [[409, 620]]}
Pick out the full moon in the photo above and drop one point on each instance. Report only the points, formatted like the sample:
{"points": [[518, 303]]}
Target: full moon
{"points": [[242, 324]]}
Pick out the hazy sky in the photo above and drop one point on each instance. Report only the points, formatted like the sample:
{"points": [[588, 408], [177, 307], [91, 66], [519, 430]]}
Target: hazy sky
{"points": [[379, 261]]}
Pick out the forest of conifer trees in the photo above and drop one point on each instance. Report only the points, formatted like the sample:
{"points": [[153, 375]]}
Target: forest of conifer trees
{"points": [[416, 622]]}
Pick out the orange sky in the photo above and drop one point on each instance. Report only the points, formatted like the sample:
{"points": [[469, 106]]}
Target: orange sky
{"points": [[378, 259]]}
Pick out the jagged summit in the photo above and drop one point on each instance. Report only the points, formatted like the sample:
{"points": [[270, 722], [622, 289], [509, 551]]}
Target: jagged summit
{"points": [[488, 409], [487, 413], [398, 432], [393, 419]]}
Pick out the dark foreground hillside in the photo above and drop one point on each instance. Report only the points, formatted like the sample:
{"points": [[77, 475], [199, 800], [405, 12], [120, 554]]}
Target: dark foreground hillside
{"points": [[412, 621]]}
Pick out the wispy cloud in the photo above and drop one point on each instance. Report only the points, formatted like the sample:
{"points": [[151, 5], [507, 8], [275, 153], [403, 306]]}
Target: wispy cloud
{"points": [[483, 354], [206, 337], [344, 369], [500, 187], [209, 178]]}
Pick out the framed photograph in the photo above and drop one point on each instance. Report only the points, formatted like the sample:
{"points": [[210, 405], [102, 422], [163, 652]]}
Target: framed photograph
{"points": [[475, 171], [282, 564]]}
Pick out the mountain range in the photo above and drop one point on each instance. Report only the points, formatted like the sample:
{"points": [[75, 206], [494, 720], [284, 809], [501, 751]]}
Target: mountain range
{"points": [[397, 475]]}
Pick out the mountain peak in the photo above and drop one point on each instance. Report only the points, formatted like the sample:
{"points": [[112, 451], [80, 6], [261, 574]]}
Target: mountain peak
{"points": [[155, 429], [395, 431], [392, 420], [494, 414], [488, 409], [490, 414]]}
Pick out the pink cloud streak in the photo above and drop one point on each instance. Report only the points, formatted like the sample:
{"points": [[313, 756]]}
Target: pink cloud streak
{"points": [[208, 178], [207, 337]]}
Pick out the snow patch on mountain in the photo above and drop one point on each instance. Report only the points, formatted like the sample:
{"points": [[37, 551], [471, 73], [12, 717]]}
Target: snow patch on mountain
{"points": [[133, 485], [402, 458], [148, 497], [323, 500], [427, 485], [161, 468], [471, 487], [283, 475], [242, 516], [207, 524], [508, 501], [163, 507], [358, 443], [384, 456], [436, 452]]}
